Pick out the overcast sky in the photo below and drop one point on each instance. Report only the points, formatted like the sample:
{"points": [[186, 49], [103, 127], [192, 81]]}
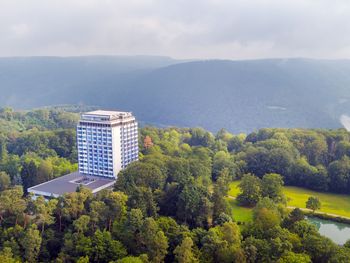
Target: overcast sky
{"points": [[228, 29]]}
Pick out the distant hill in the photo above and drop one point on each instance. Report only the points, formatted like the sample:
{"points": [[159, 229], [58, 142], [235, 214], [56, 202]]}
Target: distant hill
{"points": [[237, 95]]}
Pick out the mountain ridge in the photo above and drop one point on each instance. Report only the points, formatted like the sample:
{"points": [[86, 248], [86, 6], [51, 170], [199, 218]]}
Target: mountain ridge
{"points": [[239, 95]]}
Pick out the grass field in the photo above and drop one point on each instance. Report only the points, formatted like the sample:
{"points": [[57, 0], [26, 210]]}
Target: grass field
{"points": [[240, 213], [330, 203]]}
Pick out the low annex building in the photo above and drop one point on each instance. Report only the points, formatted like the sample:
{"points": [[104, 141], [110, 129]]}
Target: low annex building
{"points": [[107, 142]]}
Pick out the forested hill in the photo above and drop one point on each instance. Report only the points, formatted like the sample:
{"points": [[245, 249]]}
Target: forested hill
{"points": [[172, 205], [236, 95]]}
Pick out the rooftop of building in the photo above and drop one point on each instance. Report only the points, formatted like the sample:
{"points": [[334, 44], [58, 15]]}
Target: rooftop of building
{"points": [[107, 113], [69, 183], [104, 115]]}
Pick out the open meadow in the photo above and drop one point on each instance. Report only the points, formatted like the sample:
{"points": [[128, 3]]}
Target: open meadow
{"points": [[335, 204]]}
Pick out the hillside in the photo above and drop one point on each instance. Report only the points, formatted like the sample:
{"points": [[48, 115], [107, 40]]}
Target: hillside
{"points": [[174, 200], [238, 95]]}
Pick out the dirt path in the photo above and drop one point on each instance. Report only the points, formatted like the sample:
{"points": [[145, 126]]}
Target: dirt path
{"points": [[319, 212]]}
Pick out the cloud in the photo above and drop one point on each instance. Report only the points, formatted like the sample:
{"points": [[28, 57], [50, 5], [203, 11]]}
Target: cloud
{"points": [[233, 29], [19, 30]]}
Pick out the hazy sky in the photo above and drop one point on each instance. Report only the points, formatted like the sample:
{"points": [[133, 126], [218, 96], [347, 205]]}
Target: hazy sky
{"points": [[232, 29]]}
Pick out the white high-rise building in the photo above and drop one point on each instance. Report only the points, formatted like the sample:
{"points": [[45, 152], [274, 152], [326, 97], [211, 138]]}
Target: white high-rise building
{"points": [[107, 142]]}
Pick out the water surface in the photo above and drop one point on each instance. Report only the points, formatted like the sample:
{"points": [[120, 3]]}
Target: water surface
{"points": [[338, 232]]}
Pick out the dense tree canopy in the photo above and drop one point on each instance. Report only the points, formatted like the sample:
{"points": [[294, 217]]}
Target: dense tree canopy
{"points": [[172, 205]]}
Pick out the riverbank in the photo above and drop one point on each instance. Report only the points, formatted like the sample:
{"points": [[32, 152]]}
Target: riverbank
{"points": [[325, 216]]}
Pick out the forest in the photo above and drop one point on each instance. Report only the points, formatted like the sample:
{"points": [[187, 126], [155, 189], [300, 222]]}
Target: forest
{"points": [[170, 206]]}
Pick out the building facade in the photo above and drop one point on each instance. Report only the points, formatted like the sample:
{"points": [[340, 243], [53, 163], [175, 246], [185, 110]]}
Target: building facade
{"points": [[107, 142]]}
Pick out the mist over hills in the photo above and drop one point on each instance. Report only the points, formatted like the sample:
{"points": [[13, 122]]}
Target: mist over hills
{"points": [[237, 95]]}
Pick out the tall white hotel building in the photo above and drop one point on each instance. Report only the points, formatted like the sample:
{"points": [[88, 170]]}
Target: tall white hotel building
{"points": [[107, 142]]}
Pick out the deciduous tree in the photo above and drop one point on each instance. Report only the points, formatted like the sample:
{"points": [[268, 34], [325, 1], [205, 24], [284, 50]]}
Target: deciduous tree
{"points": [[184, 252], [313, 203], [250, 186]]}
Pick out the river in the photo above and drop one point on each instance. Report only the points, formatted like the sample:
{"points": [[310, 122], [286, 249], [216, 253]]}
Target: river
{"points": [[338, 232]]}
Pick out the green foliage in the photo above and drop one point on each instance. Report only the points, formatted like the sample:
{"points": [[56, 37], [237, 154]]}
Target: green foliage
{"points": [[347, 244], [105, 248], [221, 187], [6, 256], [172, 205], [154, 240], [223, 160], [81, 224], [44, 211], [184, 252], [116, 207], [31, 242], [131, 259], [271, 187], [339, 173], [83, 260], [199, 136], [266, 215], [250, 186], [291, 257], [294, 216], [313, 203], [42, 118], [320, 249], [222, 244], [5, 181], [12, 203], [128, 231], [194, 206]]}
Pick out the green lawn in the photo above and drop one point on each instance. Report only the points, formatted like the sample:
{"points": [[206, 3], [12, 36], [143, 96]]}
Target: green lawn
{"points": [[297, 197], [240, 213], [330, 203]]}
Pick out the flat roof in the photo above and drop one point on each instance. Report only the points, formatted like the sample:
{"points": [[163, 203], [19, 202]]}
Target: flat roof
{"points": [[69, 183], [106, 113]]}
